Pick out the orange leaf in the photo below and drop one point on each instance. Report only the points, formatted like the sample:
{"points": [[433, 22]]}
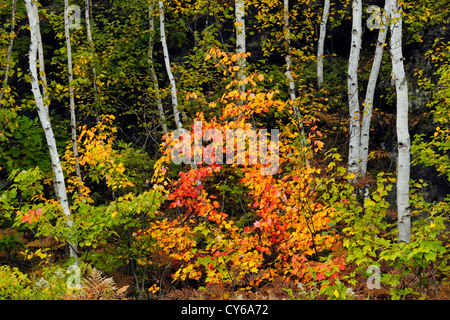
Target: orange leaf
{"points": [[320, 276]]}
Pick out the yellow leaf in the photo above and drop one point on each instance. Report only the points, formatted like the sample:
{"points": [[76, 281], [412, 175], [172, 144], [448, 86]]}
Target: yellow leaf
{"points": [[336, 293]]}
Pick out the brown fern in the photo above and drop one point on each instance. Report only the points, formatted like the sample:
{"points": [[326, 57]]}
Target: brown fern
{"points": [[380, 153], [97, 287]]}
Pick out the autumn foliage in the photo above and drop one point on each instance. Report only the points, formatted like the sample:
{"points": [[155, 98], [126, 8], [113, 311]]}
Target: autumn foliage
{"points": [[281, 233], [208, 171]]}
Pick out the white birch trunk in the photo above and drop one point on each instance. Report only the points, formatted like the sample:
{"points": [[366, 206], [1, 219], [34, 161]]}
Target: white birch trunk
{"points": [[291, 90], [240, 39], [42, 75], [370, 92], [10, 47], [321, 44], [401, 87], [173, 86], [73, 121], [44, 117], [353, 97], [287, 37], [162, 118], [88, 5]]}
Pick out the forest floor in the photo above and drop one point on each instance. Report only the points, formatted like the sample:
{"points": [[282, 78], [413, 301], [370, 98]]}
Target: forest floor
{"points": [[279, 290], [430, 287]]}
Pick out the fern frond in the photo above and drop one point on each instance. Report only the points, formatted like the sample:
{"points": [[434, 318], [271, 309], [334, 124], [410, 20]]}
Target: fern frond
{"points": [[98, 287]]}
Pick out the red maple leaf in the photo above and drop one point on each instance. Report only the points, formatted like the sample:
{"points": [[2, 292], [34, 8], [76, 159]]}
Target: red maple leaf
{"points": [[32, 215]]}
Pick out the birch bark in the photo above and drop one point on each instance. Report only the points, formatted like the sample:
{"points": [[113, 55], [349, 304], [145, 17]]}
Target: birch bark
{"points": [[173, 86], [44, 117], [152, 69], [353, 97], [240, 39], [73, 121], [287, 37], [321, 44], [291, 90], [370, 93], [87, 15], [403, 140]]}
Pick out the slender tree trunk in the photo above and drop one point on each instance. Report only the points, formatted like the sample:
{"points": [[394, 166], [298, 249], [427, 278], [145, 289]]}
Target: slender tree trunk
{"points": [[87, 14], [162, 117], [287, 37], [291, 90], [44, 117], [43, 79], [370, 92], [322, 35], [173, 86], [403, 141], [42, 74], [240, 39], [10, 47], [73, 121], [353, 98]]}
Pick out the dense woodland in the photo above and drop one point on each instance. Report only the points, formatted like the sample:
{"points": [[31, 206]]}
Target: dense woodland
{"points": [[96, 95]]}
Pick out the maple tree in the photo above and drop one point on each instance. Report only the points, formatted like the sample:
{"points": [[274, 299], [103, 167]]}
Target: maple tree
{"points": [[288, 230]]}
